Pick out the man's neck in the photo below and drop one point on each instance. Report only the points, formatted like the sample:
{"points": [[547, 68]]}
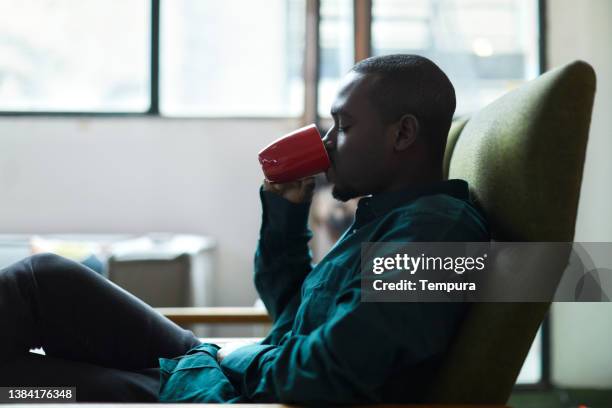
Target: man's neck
{"points": [[413, 179]]}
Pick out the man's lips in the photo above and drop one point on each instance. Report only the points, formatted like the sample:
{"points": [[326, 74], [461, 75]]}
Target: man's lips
{"points": [[329, 173]]}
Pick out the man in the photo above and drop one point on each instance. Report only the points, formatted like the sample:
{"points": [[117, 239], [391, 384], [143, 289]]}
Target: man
{"points": [[391, 118]]}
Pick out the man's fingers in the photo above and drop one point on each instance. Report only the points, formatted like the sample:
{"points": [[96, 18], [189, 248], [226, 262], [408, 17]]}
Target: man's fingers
{"points": [[308, 184], [308, 181], [275, 187], [280, 187], [230, 347], [294, 191]]}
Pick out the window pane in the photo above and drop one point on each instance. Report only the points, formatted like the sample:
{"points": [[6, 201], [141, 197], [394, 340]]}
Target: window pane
{"points": [[337, 49], [232, 57], [66, 55], [531, 372], [485, 47]]}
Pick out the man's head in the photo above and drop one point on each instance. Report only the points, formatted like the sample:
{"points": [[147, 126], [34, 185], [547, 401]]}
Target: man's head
{"points": [[391, 118]]}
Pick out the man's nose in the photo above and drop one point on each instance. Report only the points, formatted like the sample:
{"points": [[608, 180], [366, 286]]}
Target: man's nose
{"points": [[329, 140]]}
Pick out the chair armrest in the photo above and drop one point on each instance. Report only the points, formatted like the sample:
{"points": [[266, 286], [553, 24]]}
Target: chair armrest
{"points": [[187, 315]]}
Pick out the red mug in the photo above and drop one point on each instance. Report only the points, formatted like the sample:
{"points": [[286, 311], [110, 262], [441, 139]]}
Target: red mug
{"points": [[294, 156]]}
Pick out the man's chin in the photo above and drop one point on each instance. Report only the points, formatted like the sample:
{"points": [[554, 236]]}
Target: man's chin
{"points": [[342, 194]]}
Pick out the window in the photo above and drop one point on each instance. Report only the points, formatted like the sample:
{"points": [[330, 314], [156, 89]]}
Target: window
{"points": [[531, 372], [64, 55], [485, 47], [335, 47], [239, 58], [215, 61]]}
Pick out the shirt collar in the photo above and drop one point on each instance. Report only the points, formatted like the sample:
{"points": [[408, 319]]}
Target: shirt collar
{"points": [[374, 206]]}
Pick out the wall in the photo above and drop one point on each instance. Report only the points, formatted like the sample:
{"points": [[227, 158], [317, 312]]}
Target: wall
{"points": [[138, 175], [582, 333]]}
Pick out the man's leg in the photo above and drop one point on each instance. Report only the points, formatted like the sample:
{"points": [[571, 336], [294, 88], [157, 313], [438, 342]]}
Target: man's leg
{"points": [[93, 383], [75, 314]]}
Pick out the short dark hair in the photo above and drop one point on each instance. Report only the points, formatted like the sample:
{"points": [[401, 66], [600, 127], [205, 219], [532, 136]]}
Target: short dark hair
{"points": [[412, 84]]}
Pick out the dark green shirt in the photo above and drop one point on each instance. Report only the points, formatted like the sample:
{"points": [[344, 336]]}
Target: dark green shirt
{"points": [[326, 346]]}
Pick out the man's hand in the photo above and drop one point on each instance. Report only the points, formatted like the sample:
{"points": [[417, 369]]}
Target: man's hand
{"points": [[229, 347], [296, 191]]}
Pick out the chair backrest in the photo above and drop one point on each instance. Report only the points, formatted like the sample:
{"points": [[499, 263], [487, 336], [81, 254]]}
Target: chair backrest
{"points": [[523, 157]]}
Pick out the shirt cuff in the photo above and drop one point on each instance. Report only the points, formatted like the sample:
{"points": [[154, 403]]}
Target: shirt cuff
{"points": [[169, 364], [208, 348], [236, 363], [282, 216]]}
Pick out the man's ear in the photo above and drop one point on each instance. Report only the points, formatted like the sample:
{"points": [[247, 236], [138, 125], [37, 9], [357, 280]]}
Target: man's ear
{"points": [[407, 130]]}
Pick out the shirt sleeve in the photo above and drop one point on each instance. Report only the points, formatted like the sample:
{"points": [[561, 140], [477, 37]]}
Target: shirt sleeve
{"points": [[195, 377], [282, 258]]}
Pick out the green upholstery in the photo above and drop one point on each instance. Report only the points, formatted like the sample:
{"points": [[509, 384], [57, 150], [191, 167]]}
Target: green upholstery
{"points": [[523, 157]]}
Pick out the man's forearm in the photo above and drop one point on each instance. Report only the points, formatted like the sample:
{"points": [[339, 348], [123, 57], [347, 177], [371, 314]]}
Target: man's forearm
{"points": [[282, 259]]}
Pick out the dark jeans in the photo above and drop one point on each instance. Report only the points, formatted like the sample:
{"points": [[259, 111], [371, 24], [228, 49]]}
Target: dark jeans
{"points": [[96, 336]]}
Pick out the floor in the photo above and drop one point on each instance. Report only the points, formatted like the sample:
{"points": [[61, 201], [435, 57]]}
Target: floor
{"points": [[562, 398]]}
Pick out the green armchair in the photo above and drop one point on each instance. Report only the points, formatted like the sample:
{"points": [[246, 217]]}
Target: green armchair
{"points": [[523, 156]]}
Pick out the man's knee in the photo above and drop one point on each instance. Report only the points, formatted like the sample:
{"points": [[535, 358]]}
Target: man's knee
{"points": [[49, 269], [57, 264], [24, 279], [48, 259]]}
